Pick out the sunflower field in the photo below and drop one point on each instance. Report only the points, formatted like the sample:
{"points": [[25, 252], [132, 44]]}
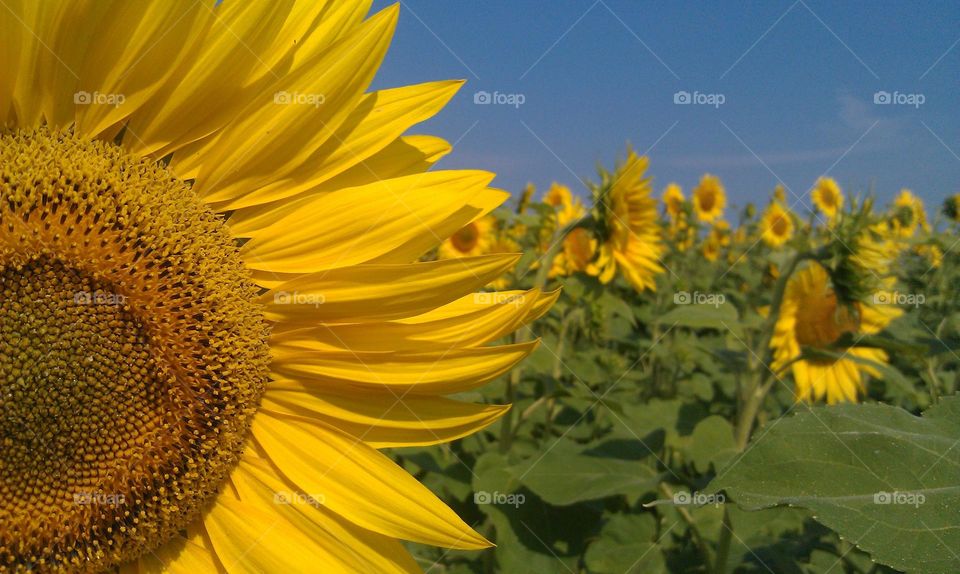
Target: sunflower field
{"points": [[762, 388]]}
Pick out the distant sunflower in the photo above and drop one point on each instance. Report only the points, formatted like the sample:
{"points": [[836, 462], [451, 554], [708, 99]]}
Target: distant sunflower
{"points": [[201, 356], [579, 246], [673, 201], [709, 198], [720, 233], [711, 249], [558, 196], [827, 196], [470, 240], [628, 214], [811, 316], [909, 215], [776, 225], [951, 207]]}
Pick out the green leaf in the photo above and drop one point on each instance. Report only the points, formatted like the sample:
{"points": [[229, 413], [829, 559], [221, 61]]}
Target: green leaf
{"points": [[882, 478], [712, 442], [626, 546], [563, 475], [720, 316]]}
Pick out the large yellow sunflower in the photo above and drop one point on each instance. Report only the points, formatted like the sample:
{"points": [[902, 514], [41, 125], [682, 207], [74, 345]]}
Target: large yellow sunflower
{"points": [[827, 196], [810, 316], [632, 239], [202, 355], [776, 225], [709, 198]]}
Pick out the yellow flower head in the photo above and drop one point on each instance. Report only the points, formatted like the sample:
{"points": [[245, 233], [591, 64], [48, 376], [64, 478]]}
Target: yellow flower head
{"points": [[827, 197], [776, 225], [213, 392], [932, 253], [709, 198], [908, 214], [720, 232], [628, 215], [578, 246], [711, 249], [673, 201], [475, 238], [779, 194], [558, 196], [811, 316]]}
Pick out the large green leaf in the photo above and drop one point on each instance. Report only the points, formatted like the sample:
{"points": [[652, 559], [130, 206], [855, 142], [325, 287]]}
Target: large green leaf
{"points": [[564, 475], [884, 479], [703, 310]]}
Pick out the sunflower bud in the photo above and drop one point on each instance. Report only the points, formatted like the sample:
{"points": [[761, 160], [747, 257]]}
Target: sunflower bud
{"points": [[951, 207]]}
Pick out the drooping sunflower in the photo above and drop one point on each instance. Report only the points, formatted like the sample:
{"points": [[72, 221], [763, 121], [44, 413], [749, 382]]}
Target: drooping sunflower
{"points": [[202, 355], [811, 316], [673, 201], [827, 197], [627, 214], [709, 198], [776, 225], [472, 239]]}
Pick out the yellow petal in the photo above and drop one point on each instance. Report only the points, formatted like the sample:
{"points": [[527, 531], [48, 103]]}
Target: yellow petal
{"points": [[440, 372], [140, 47], [355, 225], [279, 129], [471, 321], [179, 556], [380, 292], [360, 550], [381, 419], [360, 484]]}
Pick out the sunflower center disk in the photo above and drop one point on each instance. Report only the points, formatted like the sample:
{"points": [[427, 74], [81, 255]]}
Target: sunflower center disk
{"points": [[132, 357]]}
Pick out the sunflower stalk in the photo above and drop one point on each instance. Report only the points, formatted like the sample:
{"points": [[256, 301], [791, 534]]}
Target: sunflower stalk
{"points": [[507, 427]]}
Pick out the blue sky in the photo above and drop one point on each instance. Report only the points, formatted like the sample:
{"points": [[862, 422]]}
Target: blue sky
{"points": [[797, 80]]}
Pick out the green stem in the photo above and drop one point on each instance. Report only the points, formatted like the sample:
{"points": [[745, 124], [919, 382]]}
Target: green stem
{"points": [[723, 546]]}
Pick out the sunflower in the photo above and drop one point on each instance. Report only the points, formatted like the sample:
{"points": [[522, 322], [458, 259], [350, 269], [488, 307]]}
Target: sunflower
{"points": [[709, 198], [951, 207], [472, 239], [579, 245], [631, 235], [811, 316], [720, 233], [827, 197], [558, 196], [776, 225], [202, 355], [908, 214], [673, 201], [711, 249]]}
